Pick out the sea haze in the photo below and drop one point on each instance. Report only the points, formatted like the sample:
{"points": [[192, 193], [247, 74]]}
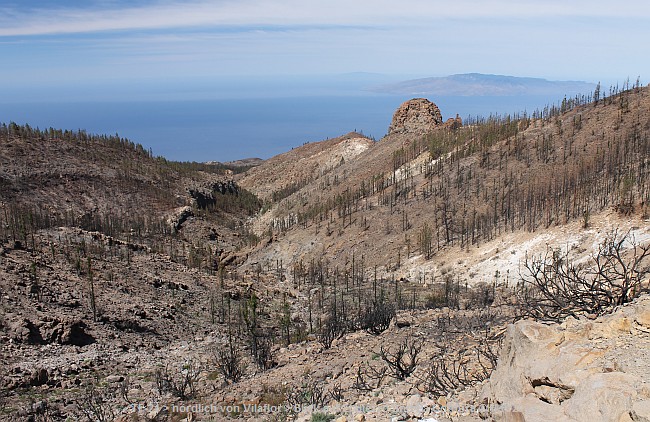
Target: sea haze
{"points": [[229, 129]]}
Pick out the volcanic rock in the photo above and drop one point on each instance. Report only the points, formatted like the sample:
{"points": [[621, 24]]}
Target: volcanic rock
{"points": [[418, 115]]}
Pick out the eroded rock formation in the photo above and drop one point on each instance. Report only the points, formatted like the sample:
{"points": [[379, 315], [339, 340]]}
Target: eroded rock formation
{"points": [[418, 115]]}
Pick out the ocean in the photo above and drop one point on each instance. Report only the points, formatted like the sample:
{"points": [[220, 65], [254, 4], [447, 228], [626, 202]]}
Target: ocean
{"points": [[230, 129]]}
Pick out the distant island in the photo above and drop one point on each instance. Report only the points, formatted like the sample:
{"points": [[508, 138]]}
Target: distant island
{"points": [[478, 84]]}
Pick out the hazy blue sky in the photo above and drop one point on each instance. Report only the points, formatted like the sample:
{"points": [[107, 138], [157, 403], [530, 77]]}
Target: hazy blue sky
{"points": [[152, 49]]}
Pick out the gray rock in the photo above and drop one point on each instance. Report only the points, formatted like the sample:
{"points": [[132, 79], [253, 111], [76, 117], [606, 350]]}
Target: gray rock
{"points": [[179, 216], [414, 406], [111, 379]]}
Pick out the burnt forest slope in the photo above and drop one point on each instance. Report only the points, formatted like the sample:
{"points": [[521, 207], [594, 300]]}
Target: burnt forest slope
{"points": [[342, 273], [418, 194], [107, 255]]}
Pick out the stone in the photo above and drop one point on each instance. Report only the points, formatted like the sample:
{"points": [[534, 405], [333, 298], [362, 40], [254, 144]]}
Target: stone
{"points": [[427, 402], [158, 414], [56, 330], [527, 349], [25, 331], [553, 393], [402, 323], [625, 417], [643, 318], [112, 379], [74, 333], [641, 411], [580, 370], [453, 123], [38, 377], [620, 324], [531, 409], [178, 217], [603, 396], [513, 417], [418, 115], [414, 406]]}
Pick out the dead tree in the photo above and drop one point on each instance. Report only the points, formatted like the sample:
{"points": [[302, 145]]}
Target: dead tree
{"points": [[402, 362], [556, 287], [229, 362]]}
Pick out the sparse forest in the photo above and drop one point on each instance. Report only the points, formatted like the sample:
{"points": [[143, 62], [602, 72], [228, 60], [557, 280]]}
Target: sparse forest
{"points": [[499, 173], [143, 280]]}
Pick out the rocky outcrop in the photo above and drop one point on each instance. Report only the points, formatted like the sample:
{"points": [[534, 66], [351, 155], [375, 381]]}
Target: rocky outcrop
{"points": [[418, 115], [178, 217], [25, 331], [204, 196], [580, 370], [453, 123], [50, 330]]}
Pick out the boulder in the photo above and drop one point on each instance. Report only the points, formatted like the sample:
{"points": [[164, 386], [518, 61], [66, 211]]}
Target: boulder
{"points": [[604, 397], [453, 123], [643, 318], [113, 379], [66, 331], [581, 370], [25, 331], [414, 406], [37, 377], [178, 217]]}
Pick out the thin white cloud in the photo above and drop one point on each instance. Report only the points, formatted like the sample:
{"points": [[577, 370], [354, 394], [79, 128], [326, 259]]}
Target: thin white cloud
{"points": [[174, 14]]}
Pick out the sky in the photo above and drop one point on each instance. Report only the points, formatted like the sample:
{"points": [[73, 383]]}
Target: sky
{"points": [[169, 49]]}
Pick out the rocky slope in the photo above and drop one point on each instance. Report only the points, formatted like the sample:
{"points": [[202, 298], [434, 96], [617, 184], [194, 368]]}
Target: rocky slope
{"points": [[287, 173], [379, 280], [107, 255]]}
